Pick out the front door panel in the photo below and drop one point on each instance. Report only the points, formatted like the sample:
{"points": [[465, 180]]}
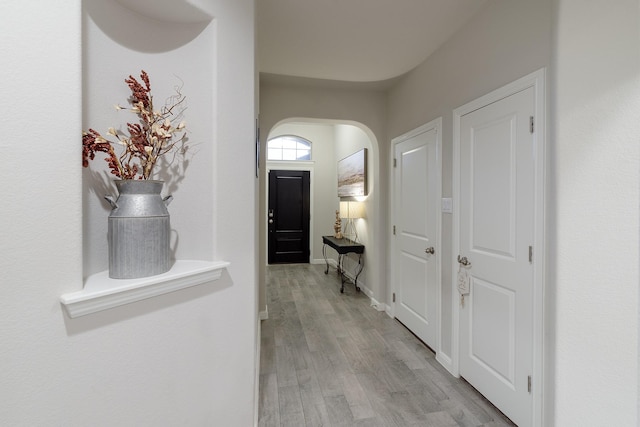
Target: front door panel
{"points": [[288, 216]]}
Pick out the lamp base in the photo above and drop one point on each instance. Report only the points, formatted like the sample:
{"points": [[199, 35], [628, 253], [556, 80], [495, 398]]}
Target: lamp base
{"points": [[350, 230]]}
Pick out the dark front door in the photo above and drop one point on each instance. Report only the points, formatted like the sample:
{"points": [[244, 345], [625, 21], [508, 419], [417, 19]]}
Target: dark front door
{"points": [[288, 216]]}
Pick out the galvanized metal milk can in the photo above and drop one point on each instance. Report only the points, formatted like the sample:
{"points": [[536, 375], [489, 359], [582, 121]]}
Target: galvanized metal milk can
{"points": [[139, 230]]}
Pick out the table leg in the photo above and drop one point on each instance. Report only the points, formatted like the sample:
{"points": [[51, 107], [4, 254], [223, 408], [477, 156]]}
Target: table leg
{"points": [[324, 254], [360, 268], [341, 271]]}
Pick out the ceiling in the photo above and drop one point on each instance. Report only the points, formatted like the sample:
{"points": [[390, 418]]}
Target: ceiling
{"points": [[354, 40]]}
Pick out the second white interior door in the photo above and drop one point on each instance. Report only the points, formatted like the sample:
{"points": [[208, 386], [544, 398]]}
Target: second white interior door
{"points": [[417, 254], [496, 235]]}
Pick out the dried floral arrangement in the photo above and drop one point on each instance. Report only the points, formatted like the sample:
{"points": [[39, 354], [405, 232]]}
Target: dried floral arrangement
{"points": [[154, 136]]}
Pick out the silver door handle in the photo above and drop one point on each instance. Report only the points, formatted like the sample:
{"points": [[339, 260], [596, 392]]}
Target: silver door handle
{"points": [[430, 250], [464, 261], [270, 221]]}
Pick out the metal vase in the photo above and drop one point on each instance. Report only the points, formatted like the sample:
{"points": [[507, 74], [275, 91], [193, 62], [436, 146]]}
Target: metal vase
{"points": [[139, 230]]}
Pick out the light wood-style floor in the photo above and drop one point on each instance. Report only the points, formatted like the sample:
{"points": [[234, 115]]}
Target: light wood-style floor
{"points": [[329, 359]]}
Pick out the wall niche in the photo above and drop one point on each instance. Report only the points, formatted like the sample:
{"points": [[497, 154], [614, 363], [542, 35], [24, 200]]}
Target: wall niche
{"points": [[174, 42]]}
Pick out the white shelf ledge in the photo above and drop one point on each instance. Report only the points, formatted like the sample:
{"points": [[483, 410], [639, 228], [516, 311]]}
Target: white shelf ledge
{"points": [[101, 293]]}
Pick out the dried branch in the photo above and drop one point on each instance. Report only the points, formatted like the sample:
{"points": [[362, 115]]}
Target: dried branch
{"points": [[151, 138]]}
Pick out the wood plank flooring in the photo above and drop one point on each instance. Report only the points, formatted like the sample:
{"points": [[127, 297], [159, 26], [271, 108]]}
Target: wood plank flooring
{"points": [[329, 359]]}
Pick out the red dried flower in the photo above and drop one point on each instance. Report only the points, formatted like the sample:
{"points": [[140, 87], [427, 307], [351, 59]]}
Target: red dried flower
{"points": [[149, 139]]}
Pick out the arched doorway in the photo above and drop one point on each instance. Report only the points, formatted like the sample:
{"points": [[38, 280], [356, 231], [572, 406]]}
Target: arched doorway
{"points": [[331, 141]]}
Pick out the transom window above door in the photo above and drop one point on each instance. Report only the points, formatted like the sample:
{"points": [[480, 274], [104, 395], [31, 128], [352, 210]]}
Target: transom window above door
{"points": [[288, 147]]}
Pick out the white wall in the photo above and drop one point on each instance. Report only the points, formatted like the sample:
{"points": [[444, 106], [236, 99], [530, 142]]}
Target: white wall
{"points": [[185, 358], [592, 288], [505, 41]]}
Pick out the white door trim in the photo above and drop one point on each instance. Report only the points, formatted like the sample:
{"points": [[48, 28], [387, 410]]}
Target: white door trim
{"points": [[437, 126], [535, 80], [293, 166]]}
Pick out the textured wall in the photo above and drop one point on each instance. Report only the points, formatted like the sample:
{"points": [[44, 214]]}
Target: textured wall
{"points": [[185, 358], [592, 321]]}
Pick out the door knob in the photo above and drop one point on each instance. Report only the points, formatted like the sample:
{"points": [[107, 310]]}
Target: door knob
{"points": [[430, 250], [270, 221], [464, 261]]}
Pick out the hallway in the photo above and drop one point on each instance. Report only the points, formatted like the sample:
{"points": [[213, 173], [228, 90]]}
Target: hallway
{"points": [[329, 359]]}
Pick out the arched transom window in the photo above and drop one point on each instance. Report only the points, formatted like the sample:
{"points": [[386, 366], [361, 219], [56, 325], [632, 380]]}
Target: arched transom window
{"points": [[288, 147]]}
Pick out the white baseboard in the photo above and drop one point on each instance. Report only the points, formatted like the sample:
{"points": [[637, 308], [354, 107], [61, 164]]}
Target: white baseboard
{"points": [[364, 289], [256, 374], [389, 311], [446, 362], [377, 305]]}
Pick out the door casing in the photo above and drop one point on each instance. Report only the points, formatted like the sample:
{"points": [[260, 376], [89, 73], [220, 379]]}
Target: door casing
{"points": [[294, 166], [536, 80], [437, 126]]}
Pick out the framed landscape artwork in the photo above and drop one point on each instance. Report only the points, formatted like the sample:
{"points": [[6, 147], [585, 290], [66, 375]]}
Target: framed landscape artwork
{"points": [[352, 175]]}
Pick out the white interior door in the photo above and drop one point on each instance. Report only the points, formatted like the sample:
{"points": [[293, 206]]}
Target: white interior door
{"points": [[496, 232], [417, 255]]}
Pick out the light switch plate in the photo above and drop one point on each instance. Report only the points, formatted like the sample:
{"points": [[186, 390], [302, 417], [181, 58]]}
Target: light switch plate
{"points": [[447, 205]]}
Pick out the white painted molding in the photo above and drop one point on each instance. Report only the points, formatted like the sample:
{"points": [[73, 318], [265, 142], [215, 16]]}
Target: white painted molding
{"points": [[389, 310], [447, 363], [349, 275], [361, 284], [376, 304], [101, 293], [256, 372], [363, 288], [264, 315]]}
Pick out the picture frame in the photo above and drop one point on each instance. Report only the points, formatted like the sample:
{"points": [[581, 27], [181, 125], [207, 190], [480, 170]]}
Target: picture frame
{"points": [[352, 175]]}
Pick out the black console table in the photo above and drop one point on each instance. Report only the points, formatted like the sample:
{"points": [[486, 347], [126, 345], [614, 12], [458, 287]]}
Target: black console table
{"points": [[342, 247]]}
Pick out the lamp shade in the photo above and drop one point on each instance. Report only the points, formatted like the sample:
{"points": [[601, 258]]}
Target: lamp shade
{"points": [[344, 209], [356, 210], [352, 210]]}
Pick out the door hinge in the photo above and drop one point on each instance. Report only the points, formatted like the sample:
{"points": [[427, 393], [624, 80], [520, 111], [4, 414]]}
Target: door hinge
{"points": [[395, 163], [394, 297], [529, 383], [531, 124], [394, 230], [530, 254]]}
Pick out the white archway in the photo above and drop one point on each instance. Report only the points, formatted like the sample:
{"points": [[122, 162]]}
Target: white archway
{"points": [[332, 140]]}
